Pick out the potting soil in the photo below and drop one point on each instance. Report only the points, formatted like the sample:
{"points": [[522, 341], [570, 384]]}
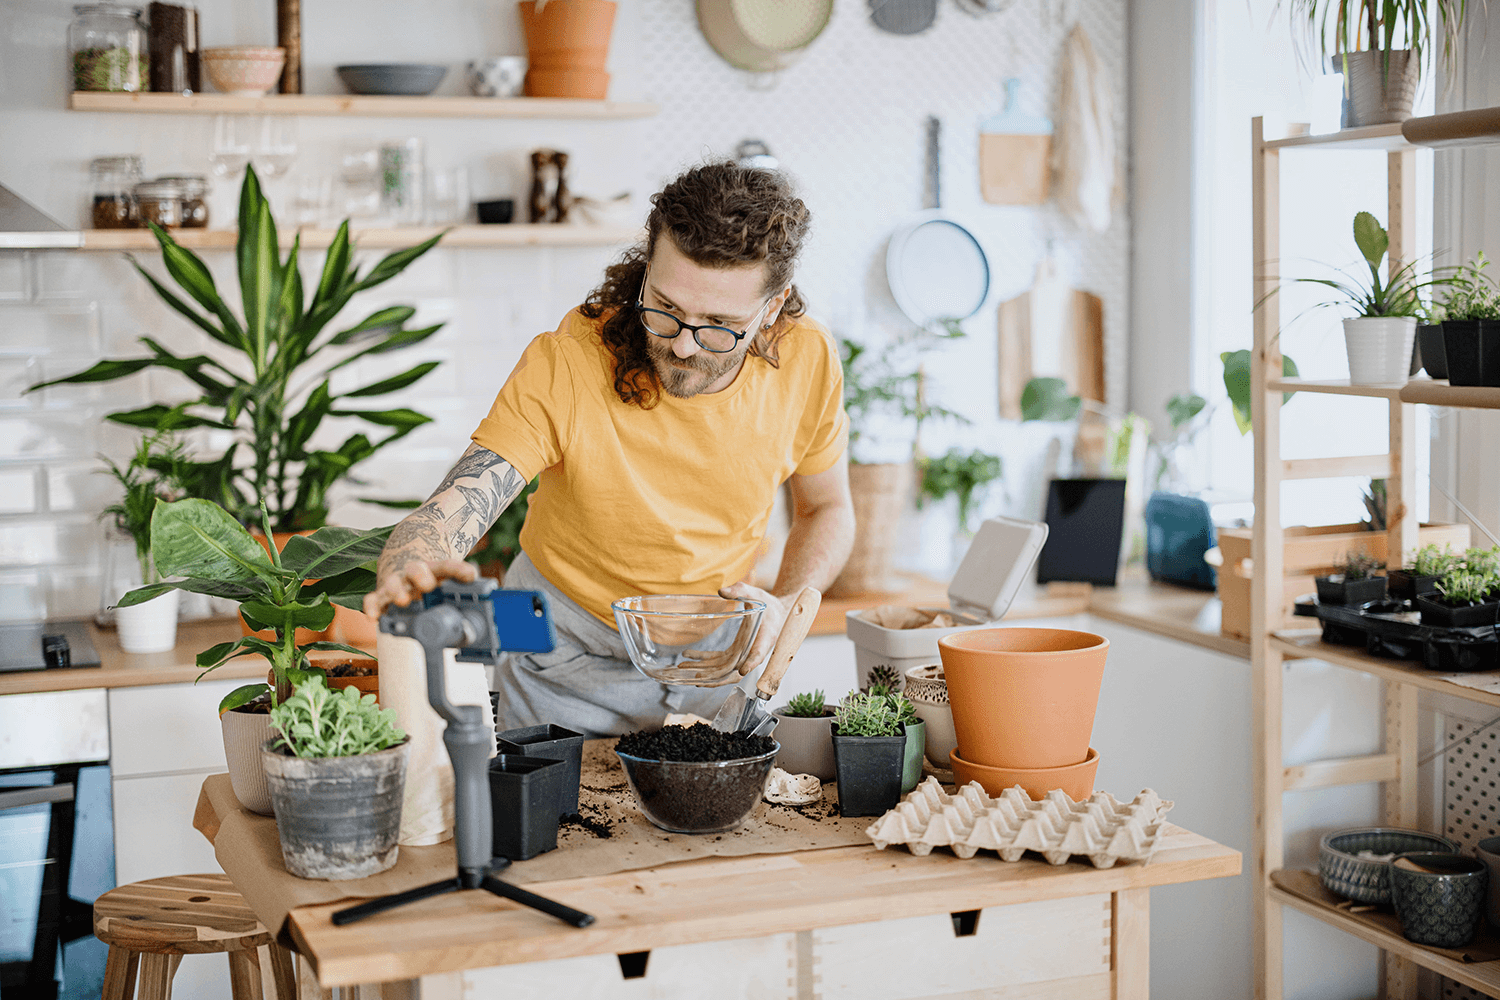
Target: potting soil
{"points": [[695, 743]]}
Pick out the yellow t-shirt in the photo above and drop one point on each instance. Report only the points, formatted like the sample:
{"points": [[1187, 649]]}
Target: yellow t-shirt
{"points": [[670, 500]]}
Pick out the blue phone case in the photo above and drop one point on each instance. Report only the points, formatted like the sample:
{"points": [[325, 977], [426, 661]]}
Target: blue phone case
{"points": [[523, 621]]}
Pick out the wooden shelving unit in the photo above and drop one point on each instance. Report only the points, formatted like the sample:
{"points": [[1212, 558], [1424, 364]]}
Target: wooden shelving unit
{"points": [[1395, 767], [458, 237], [368, 107]]}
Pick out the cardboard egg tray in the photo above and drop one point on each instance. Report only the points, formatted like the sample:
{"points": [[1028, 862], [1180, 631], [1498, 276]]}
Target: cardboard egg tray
{"points": [[1103, 829]]}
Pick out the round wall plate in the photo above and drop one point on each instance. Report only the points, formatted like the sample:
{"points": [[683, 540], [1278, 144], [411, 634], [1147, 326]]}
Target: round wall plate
{"points": [[762, 35], [937, 270]]}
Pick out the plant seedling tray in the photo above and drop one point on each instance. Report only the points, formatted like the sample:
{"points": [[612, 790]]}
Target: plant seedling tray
{"points": [[1388, 629]]}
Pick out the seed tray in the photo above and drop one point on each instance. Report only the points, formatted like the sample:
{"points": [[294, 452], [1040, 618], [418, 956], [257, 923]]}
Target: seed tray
{"points": [[1389, 629], [1101, 828]]}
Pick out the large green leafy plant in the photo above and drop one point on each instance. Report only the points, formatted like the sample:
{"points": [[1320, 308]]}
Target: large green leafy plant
{"points": [[211, 553], [274, 386], [1338, 27]]}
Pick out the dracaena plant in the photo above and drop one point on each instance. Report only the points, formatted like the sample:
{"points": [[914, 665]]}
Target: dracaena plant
{"points": [[274, 384], [1338, 27], [209, 552]]}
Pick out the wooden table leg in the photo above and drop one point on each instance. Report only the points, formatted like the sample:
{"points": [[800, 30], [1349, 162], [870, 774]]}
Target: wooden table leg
{"points": [[156, 977], [120, 968], [1130, 957], [282, 973], [244, 975]]}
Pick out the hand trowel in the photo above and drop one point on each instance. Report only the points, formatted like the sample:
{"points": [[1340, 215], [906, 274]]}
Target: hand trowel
{"points": [[745, 711]]}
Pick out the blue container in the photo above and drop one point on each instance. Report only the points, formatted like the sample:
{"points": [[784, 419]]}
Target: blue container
{"points": [[1179, 531]]}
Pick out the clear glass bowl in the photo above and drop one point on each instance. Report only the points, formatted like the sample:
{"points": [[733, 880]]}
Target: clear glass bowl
{"points": [[698, 796], [688, 638]]}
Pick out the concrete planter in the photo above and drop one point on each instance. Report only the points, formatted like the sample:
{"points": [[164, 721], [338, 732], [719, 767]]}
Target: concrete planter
{"points": [[338, 817]]}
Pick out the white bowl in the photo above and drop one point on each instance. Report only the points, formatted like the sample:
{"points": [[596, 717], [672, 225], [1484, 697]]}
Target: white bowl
{"points": [[244, 70]]}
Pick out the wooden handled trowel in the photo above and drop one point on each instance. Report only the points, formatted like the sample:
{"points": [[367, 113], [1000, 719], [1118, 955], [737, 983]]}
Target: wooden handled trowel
{"points": [[745, 711]]}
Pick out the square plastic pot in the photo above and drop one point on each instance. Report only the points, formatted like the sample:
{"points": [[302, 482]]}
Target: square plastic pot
{"points": [[554, 743], [1437, 612], [1337, 590], [1404, 586], [1430, 347], [1472, 350], [523, 804], [869, 772]]}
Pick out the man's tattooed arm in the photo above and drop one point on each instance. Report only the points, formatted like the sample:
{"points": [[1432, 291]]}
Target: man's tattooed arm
{"points": [[462, 508]]}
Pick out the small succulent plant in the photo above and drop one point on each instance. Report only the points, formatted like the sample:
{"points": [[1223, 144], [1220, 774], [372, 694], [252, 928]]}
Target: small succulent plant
{"points": [[906, 712], [1359, 566], [808, 705], [885, 677], [1462, 586], [867, 715]]}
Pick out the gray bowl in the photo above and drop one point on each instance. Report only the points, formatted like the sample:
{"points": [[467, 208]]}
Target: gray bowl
{"points": [[405, 79], [1342, 870]]}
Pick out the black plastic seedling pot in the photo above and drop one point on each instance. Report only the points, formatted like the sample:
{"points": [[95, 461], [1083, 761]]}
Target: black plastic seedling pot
{"points": [[1430, 347], [1406, 586], [869, 772], [1435, 612], [554, 743], [1472, 349], [1337, 590], [523, 804]]}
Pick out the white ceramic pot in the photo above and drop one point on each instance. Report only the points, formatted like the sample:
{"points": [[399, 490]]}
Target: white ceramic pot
{"points": [[1379, 348], [150, 627], [244, 733], [927, 690], [1380, 90]]}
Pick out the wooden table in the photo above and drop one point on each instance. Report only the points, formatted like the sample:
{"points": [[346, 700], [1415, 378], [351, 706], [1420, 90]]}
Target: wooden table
{"points": [[842, 922]]}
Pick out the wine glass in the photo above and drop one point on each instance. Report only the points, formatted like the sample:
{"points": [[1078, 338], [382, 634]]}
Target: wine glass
{"points": [[275, 146], [231, 149]]}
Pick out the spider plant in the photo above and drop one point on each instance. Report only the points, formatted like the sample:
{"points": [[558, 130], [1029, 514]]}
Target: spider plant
{"points": [[1338, 27]]}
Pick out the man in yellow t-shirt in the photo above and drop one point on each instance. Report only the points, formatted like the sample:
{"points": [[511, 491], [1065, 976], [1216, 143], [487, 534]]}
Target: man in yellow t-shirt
{"points": [[662, 416]]}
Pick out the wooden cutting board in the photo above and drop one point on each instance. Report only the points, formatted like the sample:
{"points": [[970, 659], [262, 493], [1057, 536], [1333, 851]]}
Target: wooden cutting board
{"points": [[1045, 334]]}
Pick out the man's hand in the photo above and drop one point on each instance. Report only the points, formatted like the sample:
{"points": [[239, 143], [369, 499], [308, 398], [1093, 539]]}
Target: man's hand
{"points": [[409, 581], [771, 620]]}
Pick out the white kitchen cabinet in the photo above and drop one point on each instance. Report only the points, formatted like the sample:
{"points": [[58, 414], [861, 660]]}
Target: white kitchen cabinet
{"points": [[167, 728]]}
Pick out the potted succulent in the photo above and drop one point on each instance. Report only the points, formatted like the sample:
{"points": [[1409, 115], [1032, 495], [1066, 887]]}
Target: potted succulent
{"points": [[1379, 48], [916, 735], [1428, 564], [152, 474], [804, 734], [209, 552], [336, 766], [1355, 583], [869, 752], [1465, 598], [1471, 326]]}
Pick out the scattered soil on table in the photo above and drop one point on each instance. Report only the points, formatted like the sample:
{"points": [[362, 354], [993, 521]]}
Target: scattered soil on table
{"points": [[695, 743], [590, 819]]}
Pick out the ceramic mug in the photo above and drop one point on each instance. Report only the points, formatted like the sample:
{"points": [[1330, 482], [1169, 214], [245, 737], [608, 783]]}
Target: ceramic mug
{"points": [[497, 76]]}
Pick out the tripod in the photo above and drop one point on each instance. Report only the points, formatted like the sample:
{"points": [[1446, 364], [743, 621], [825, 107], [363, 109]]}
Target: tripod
{"points": [[460, 620]]}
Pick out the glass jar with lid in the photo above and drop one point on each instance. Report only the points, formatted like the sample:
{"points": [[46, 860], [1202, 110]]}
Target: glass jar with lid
{"points": [[194, 210], [160, 201], [113, 180], [108, 44]]}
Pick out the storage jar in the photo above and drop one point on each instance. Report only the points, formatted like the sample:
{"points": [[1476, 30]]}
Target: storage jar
{"points": [[108, 46], [194, 210], [160, 201], [113, 180]]}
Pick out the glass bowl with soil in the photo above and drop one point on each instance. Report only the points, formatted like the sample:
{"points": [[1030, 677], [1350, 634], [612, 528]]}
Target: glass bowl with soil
{"points": [[695, 779], [692, 639]]}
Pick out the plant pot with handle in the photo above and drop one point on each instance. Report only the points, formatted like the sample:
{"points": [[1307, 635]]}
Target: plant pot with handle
{"points": [[1023, 697], [1379, 348], [150, 627], [806, 743], [869, 772]]}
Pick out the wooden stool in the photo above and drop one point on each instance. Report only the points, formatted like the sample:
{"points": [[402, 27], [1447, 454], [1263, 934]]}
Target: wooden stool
{"points": [[150, 925]]}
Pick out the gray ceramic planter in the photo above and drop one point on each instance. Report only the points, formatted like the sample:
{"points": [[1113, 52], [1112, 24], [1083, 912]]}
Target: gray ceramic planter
{"points": [[1441, 905], [806, 744], [337, 817]]}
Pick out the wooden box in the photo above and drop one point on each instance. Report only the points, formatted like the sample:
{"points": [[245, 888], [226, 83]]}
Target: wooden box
{"points": [[1307, 553]]}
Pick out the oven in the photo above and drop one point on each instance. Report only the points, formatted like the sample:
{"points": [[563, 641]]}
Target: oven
{"points": [[56, 843]]}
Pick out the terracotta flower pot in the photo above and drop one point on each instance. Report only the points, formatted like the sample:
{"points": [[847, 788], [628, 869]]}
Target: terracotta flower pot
{"points": [[567, 81], [1023, 697], [567, 33]]}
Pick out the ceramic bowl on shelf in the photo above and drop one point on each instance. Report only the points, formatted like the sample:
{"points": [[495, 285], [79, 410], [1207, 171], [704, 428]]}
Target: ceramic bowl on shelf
{"points": [[392, 79], [1366, 879], [692, 639], [1439, 897], [244, 70]]}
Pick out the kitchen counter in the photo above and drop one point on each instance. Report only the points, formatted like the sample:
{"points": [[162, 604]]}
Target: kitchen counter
{"points": [[1066, 930], [1191, 616]]}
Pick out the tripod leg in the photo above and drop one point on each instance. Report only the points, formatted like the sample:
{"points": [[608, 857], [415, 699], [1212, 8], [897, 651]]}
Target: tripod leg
{"points": [[551, 907], [374, 906]]}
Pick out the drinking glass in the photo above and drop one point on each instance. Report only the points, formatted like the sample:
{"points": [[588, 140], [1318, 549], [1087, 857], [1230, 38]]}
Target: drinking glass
{"points": [[276, 146], [447, 196], [313, 202], [232, 143], [403, 181], [359, 178]]}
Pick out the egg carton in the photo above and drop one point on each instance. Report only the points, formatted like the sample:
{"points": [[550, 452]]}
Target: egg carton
{"points": [[1103, 829]]}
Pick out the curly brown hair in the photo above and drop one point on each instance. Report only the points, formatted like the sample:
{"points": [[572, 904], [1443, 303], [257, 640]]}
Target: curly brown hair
{"points": [[718, 215]]}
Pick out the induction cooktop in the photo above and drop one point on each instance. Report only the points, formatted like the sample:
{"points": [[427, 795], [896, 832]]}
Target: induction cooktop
{"points": [[52, 645]]}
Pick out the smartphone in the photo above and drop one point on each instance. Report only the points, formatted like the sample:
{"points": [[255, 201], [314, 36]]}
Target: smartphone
{"points": [[523, 622]]}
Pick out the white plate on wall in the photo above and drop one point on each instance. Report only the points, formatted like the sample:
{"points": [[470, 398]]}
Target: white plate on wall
{"points": [[936, 269]]}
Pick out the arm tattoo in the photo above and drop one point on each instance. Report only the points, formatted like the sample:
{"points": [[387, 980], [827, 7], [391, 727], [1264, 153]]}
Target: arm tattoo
{"points": [[463, 507]]}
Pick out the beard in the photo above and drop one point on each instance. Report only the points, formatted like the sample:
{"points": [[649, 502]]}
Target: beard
{"points": [[687, 377]]}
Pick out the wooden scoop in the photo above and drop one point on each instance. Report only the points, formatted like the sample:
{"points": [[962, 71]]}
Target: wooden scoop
{"points": [[744, 710]]}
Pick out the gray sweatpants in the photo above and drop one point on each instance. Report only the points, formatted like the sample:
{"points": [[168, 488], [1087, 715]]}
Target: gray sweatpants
{"points": [[587, 684]]}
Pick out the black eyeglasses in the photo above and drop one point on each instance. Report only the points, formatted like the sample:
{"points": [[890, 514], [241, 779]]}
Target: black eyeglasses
{"points": [[715, 339]]}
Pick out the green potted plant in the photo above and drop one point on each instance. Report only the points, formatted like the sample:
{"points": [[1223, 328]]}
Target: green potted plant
{"points": [[1378, 45], [804, 732], [869, 752], [1471, 326], [153, 473], [887, 405], [1428, 564], [916, 735], [1355, 583], [959, 474], [209, 552], [336, 767], [1464, 599]]}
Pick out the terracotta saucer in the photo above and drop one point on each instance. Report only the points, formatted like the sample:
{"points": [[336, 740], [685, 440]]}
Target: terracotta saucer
{"points": [[1076, 780]]}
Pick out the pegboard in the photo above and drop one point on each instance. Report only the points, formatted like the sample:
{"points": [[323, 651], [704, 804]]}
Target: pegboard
{"points": [[1471, 798], [846, 119]]}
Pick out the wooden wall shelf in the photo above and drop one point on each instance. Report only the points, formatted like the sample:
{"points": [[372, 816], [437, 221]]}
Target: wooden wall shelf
{"points": [[458, 237], [1478, 127], [1386, 137], [368, 107]]}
